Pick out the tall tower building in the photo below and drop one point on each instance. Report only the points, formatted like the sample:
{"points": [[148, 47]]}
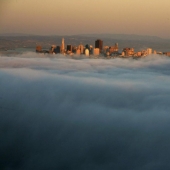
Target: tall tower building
{"points": [[96, 51], [87, 52], [62, 46], [99, 44], [149, 51], [81, 47], [69, 48]]}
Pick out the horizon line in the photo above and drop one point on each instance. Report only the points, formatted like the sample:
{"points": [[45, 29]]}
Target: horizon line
{"points": [[81, 34]]}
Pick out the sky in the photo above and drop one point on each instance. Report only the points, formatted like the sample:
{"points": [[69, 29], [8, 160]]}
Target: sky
{"points": [[69, 17], [76, 114]]}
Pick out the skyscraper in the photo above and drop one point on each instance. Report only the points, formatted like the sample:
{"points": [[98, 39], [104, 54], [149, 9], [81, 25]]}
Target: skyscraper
{"points": [[62, 46], [99, 44], [96, 51], [149, 51], [87, 52], [69, 48], [57, 50], [81, 47]]}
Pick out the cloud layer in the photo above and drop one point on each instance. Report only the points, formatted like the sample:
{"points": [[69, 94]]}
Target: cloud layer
{"points": [[63, 113]]}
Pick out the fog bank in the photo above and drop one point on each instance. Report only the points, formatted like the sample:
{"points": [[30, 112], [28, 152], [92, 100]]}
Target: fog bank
{"points": [[63, 113]]}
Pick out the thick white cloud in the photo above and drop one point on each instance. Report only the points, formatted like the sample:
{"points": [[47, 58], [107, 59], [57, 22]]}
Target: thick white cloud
{"points": [[63, 113]]}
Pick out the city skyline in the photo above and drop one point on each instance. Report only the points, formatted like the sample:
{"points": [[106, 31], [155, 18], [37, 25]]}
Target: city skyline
{"points": [[98, 50], [85, 17], [84, 84]]}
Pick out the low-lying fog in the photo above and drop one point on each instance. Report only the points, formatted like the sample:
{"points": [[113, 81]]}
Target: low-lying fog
{"points": [[84, 114]]}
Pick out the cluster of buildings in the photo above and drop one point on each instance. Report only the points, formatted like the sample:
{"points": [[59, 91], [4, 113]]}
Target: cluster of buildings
{"points": [[87, 50]]}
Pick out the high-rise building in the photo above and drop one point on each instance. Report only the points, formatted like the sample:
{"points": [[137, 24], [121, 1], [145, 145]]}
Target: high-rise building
{"points": [[78, 51], [74, 49], [69, 48], [113, 49], [57, 50], [128, 51], [139, 54], [106, 48], [81, 47], [167, 53], [99, 44], [149, 51], [87, 52], [96, 51], [53, 47], [87, 46], [62, 46]]}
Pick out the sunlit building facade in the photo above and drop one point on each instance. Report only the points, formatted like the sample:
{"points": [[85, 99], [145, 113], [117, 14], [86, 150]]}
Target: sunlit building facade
{"points": [[96, 51], [99, 44]]}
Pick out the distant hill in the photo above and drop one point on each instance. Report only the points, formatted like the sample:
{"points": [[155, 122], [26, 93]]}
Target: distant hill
{"points": [[16, 34], [125, 37], [101, 36]]}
